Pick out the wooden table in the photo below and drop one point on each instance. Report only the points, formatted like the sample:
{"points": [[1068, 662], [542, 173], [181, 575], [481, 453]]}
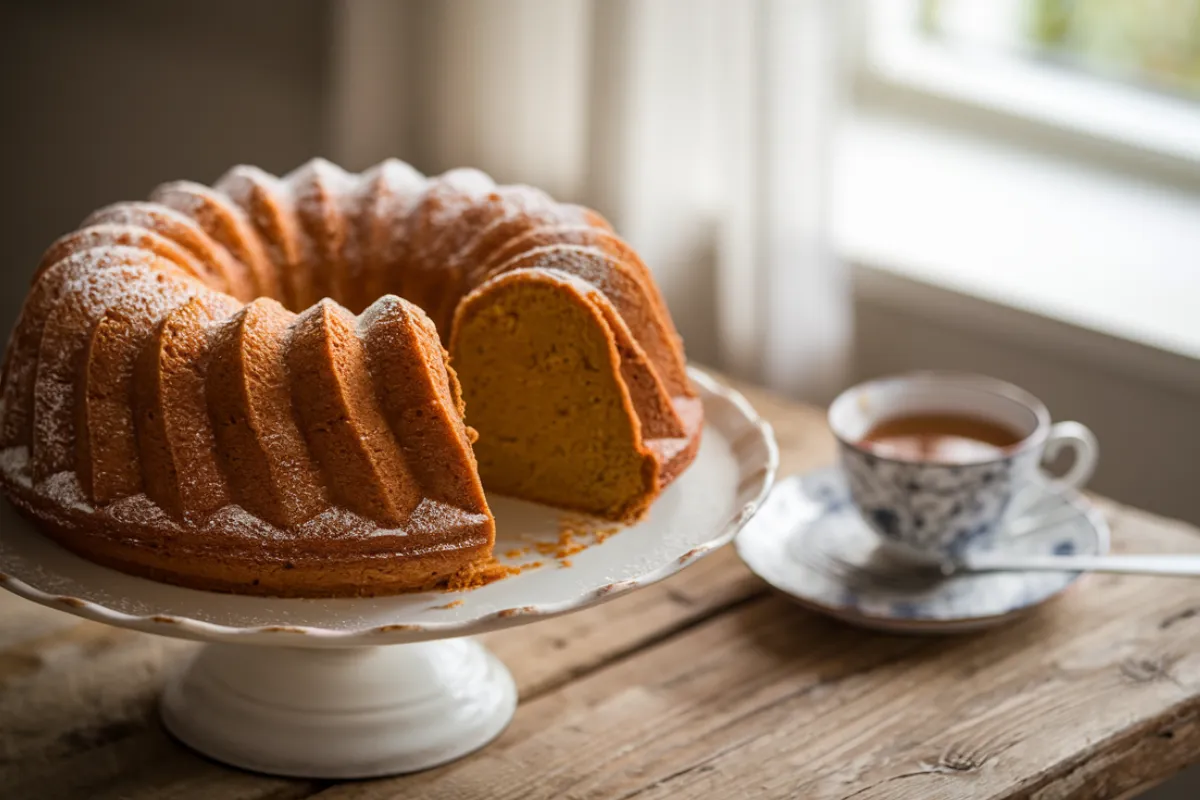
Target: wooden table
{"points": [[707, 685]]}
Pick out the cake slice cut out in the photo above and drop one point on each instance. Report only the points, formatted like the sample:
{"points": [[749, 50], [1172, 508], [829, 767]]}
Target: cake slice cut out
{"points": [[556, 424]]}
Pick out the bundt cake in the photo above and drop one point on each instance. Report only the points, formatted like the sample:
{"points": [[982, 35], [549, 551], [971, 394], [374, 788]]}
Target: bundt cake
{"points": [[260, 387]]}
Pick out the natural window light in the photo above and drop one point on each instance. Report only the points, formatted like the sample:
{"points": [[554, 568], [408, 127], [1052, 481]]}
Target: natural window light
{"points": [[1039, 155], [1122, 70], [1150, 45]]}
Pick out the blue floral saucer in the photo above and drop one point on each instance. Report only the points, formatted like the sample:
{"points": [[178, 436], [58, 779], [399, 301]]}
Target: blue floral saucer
{"points": [[809, 542]]}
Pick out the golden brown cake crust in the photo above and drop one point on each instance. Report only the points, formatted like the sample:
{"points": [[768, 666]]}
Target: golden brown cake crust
{"points": [[227, 225], [214, 388], [338, 555]]}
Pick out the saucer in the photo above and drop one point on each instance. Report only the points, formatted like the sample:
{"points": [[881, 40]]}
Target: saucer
{"points": [[809, 542]]}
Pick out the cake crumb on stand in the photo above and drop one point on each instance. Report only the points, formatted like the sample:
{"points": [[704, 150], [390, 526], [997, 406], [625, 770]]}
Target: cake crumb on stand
{"points": [[575, 533]]}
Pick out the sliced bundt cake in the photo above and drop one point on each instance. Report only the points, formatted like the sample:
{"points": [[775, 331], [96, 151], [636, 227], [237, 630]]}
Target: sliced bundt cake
{"points": [[223, 387]]}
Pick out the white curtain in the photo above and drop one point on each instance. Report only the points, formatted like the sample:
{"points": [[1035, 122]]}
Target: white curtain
{"points": [[700, 128]]}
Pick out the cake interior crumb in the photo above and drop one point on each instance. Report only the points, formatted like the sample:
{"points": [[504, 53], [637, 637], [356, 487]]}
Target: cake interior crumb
{"points": [[575, 534], [481, 573]]}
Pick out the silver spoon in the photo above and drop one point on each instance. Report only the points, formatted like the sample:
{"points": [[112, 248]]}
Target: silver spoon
{"points": [[1178, 564]]}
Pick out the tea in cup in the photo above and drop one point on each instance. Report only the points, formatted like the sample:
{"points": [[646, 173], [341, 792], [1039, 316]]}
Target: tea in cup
{"points": [[936, 461]]}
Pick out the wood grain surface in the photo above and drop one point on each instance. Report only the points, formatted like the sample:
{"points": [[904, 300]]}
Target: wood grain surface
{"points": [[707, 685]]}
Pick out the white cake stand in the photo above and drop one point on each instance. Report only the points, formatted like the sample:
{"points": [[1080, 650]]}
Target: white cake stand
{"points": [[320, 697]]}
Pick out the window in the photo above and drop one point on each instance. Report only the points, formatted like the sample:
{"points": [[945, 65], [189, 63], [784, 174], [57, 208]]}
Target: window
{"points": [[946, 189], [1122, 70]]}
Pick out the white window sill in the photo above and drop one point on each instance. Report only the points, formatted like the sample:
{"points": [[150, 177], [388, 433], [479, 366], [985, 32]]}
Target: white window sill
{"points": [[1057, 254]]}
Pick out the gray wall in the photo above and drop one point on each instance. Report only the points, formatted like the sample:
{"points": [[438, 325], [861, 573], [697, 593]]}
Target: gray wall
{"points": [[102, 101]]}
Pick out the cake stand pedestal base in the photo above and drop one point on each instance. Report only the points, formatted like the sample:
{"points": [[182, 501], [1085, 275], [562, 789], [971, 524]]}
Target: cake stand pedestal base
{"points": [[353, 712]]}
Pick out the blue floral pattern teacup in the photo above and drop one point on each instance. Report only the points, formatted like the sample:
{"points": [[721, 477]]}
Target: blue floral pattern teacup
{"points": [[934, 511]]}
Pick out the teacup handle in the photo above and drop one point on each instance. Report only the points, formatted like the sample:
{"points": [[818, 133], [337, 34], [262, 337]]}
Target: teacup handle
{"points": [[1078, 438], [1023, 516]]}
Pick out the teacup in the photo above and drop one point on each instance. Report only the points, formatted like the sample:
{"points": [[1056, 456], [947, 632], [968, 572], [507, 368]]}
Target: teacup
{"points": [[933, 510]]}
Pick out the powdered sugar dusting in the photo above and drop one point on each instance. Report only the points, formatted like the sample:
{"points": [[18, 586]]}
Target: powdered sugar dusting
{"points": [[591, 264], [432, 517], [432, 521], [388, 193], [138, 293], [14, 466], [24, 346], [63, 489], [447, 198], [517, 208], [140, 510], [319, 190], [233, 519], [578, 284]]}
